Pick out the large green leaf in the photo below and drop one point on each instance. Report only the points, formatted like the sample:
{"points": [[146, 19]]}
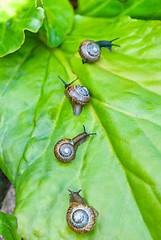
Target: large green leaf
{"points": [[59, 18], [15, 17], [142, 9], [119, 169], [8, 227]]}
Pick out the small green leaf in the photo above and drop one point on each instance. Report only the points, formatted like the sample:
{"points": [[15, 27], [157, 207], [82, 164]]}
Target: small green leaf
{"points": [[112, 8], [8, 227], [15, 18], [59, 16]]}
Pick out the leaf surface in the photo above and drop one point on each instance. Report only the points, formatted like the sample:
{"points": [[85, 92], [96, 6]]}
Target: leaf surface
{"points": [[15, 18], [8, 227], [141, 9], [118, 170]]}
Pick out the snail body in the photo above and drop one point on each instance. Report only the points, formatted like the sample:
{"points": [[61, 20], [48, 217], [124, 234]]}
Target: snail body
{"points": [[90, 51], [65, 149], [78, 96], [81, 218]]}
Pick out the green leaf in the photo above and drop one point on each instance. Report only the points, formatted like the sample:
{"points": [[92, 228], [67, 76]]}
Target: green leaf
{"points": [[59, 16], [15, 17], [8, 227], [118, 170], [9, 8], [141, 9]]}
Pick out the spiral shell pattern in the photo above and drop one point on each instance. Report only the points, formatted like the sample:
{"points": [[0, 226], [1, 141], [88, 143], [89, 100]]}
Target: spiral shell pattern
{"points": [[81, 218], [64, 150], [89, 51], [78, 94]]}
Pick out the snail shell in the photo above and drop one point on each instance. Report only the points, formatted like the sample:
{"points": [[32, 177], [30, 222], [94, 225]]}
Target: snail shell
{"points": [[64, 150], [89, 51], [81, 218], [78, 96]]}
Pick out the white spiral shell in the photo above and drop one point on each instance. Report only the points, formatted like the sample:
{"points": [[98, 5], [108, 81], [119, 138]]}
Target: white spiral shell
{"points": [[81, 218], [89, 51]]}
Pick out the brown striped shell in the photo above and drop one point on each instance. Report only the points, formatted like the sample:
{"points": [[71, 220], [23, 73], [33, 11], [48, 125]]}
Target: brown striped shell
{"points": [[81, 218], [77, 94], [89, 51], [64, 150]]}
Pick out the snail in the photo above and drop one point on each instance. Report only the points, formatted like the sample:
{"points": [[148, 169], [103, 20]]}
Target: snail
{"points": [[90, 51], [77, 95], [81, 218], [65, 149]]}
